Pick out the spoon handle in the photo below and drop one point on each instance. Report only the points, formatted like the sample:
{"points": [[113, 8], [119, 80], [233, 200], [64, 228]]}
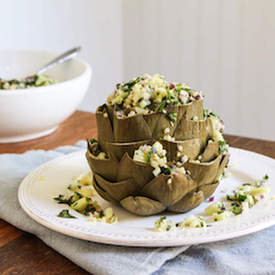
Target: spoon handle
{"points": [[60, 59]]}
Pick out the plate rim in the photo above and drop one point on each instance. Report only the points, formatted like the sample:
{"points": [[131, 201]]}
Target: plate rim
{"points": [[161, 239]]}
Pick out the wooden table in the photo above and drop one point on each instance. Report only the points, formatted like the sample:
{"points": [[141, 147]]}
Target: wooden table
{"points": [[23, 253]]}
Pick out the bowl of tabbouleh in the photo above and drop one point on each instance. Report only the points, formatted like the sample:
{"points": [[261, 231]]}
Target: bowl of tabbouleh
{"points": [[32, 105]]}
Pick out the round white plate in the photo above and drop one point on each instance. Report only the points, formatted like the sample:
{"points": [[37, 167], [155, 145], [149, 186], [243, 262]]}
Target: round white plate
{"points": [[37, 190]]}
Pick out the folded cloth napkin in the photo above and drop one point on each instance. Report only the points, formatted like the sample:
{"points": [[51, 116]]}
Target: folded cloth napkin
{"points": [[253, 254]]}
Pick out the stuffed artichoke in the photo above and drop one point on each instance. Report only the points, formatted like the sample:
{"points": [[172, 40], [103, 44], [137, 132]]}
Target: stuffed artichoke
{"points": [[157, 148]]}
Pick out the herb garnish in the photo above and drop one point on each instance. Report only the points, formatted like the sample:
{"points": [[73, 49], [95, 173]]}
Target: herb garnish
{"points": [[148, 157], [222, 146], [236, 210], [62, 200], [172, 116], [65, 214], [101, 214], [241, 197], [161, 106], [93, 140], [166, 170]]}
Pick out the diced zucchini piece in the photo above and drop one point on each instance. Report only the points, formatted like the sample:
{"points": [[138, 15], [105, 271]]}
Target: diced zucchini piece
{"points": [[213, 208], [189, 220], [85, 179], [76, 196], [113, 220], [108, 212], [74, 187], [246, 188], [197, 223], [222, 216], [260, 191], [86, 192], [250, 200], [80, 204]]}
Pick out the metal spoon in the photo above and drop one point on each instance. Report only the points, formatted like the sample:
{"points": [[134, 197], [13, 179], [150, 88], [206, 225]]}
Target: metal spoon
{"points": [[60, 59]]}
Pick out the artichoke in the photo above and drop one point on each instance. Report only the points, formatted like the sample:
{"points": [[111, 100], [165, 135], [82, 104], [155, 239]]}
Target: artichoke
{"points": [[157, 148]]}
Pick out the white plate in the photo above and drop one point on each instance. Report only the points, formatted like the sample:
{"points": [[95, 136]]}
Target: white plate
{"points": [[37, 190]]}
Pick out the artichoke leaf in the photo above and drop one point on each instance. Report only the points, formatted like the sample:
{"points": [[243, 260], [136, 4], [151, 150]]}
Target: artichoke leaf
{"points": [[140, 172], [133, 128], [142, 206], [190, 148], [195, 108], [104, 125], [117, 150], [168, 189], [102, 192], [188, 129], [104, 167], [150, 125], [188, 111], [208, 189], [111, 112], [188, 202], [223, 163], [210, 152], [205, 172], [158, 122], [117, 190]]}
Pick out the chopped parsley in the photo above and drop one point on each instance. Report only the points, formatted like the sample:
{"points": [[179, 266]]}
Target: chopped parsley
{"points": [[236, 210], [148, 156], [65, 214], [223, 147], [166, 170], [62, 200], [241, 197], [93, 140], [172, 116], [161, 106], [101, 214]]}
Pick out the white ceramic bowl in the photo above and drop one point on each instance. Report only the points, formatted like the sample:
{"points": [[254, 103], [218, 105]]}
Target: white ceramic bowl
{"points": [[30, 113]]}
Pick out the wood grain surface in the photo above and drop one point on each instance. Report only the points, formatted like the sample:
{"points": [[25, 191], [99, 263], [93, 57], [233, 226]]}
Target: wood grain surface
{"points": [[23, 253]]}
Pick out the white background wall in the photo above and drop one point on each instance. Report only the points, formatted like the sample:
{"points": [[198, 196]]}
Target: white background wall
{"points": [[224, 47]]}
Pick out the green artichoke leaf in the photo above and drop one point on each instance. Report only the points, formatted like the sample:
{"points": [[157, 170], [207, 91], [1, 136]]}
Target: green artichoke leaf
{"points": [[188, 202], [142, 173], [194, 108], [168, 189], [133, 128], [117, 190], [117, 150], [104, 167], [205, 172], [142, 206], [191, 148], [210, 152], [208, 189], [102, 192], [146, 126], [188, 129], [104, 125], [223, 164], [158, 122]]}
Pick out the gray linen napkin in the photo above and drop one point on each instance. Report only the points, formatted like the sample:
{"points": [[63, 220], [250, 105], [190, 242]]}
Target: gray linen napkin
{"points": [[253, 254], [95, 258]]}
